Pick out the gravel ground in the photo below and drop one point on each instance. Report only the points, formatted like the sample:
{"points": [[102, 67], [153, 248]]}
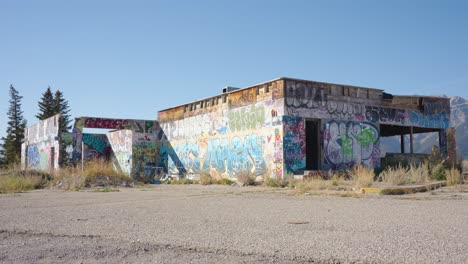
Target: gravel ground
{"points": [[224, 224]]}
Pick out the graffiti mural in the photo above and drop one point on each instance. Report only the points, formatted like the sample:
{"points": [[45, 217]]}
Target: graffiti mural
{"points": [[121, 144], [311, 100], [347, 143], [294, 144], [40, 150], [223, 141], [96, 146]]}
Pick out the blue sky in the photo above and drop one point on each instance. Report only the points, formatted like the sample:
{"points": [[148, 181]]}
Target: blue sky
{"points": [[130, 59]]}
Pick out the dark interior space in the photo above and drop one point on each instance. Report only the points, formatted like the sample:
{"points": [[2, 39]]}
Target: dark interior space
{"points": [[312, 145]]}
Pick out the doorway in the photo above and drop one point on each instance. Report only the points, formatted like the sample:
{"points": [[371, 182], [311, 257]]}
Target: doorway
{"points": [[312, 144]]}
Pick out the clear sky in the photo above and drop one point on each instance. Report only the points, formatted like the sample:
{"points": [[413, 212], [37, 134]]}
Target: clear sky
{"points": [[129, 59]]}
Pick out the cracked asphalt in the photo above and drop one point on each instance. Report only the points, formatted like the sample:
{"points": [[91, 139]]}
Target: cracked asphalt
{"points": [[226, 224]]}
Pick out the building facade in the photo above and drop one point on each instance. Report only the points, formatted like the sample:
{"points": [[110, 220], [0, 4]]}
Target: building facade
{"points": [[291, 126], [284, 126]]}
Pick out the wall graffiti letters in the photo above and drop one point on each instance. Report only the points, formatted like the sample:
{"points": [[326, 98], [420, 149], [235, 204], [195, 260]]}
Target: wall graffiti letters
{"points": [[349, 143]]}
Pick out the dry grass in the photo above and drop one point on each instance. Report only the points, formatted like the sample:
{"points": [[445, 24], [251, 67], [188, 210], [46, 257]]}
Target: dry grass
{"points": [[206, 179], [245, 178], [394, 176], [96, 173], [12, 179], [312, 184], [453, 176], [183, 181], [362, 176], [418, 174], [278, 183]]}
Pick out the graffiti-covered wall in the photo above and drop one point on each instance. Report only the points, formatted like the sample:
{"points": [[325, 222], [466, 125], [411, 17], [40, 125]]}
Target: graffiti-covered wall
{"points": [[346, 143], [96, 146], [312, 100], [242, 131], [121, 155], [134, 148], [40, 150], [350, 120]]}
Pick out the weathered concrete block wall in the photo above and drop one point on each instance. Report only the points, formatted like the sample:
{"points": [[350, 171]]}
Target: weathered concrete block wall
{"points": [[228, 134], [40, 150]]}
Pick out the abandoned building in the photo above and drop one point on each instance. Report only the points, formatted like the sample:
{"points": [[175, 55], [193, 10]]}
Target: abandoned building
{"points": [[284, 126]]}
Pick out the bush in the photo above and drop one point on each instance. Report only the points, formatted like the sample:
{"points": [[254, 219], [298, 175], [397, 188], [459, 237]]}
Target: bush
{"points": [[205, 179], [276, 183], [362, 176], [183, 181], [245, 178], [224, 181]]}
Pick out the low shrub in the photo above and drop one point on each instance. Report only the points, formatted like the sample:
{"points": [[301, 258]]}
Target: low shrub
{"points": [[183, 181], [245, 178], [275, 182], [205, 179], [224, 181]]}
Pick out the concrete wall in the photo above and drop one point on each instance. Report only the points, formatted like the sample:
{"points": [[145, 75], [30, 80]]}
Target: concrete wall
{"points": [[40, 150], [121, 155], [235, 132]]}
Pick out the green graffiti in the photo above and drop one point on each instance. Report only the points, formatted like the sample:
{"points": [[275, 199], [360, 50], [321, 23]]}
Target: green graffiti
{"points": [[346, 145], [366, 137]]}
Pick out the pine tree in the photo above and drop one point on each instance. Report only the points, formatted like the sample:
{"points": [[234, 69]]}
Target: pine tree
{"points": [[61, 107], [46, 105], [11, 145]]}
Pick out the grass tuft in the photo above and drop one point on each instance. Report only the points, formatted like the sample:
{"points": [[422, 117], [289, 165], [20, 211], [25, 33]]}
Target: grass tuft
{"points": [[394, 176], [453, 176], [362, 176]]}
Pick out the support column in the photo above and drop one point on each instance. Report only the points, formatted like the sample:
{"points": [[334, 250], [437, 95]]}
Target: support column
{"points": [[411, 141], [402, 143], [440, 140]]}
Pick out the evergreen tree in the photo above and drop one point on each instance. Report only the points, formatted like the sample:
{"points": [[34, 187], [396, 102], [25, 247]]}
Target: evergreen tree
{"points": [[11, 146], [46, 105], [61, 107]]}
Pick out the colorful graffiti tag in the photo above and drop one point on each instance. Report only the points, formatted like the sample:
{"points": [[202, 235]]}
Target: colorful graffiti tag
{"points": [[96, 146], [294, 144], [224, 142], [347, 143], [312, 101]]}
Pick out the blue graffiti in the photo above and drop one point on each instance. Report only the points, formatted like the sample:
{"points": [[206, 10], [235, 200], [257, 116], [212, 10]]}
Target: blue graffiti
{"points": [[33, 156], [242, 153]]}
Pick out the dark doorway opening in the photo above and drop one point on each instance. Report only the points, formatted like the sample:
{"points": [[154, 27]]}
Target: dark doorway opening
{"points": [[312, 144]]}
